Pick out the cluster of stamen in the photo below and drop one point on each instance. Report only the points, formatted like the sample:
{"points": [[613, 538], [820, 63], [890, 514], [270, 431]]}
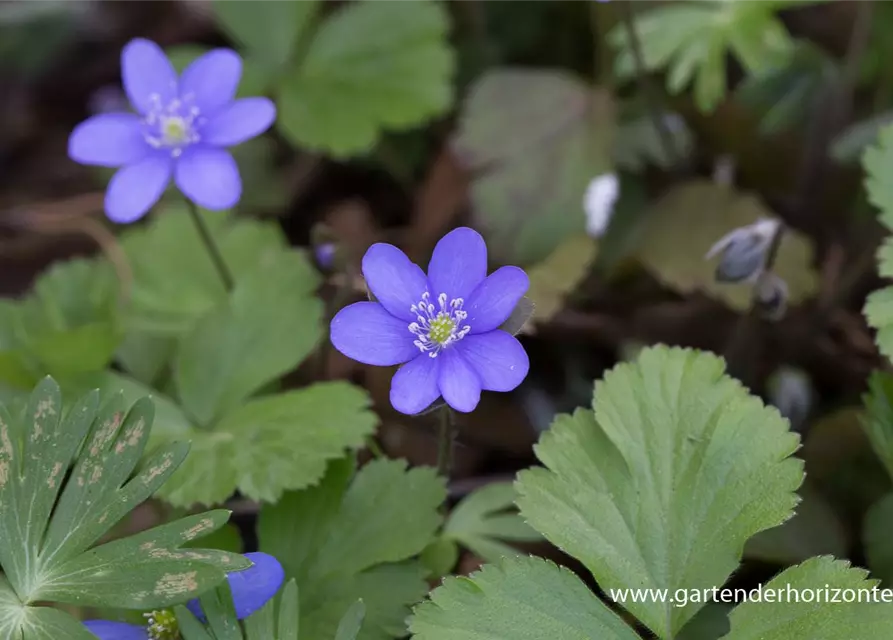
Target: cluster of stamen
{"points": [[172, 126], [162, 625], [437, 327]]}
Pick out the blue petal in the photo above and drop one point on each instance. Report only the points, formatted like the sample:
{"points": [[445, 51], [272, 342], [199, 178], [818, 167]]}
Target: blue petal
{"points": [[149, 78], [498, 359], [210, 81], [414, 386], [459, 384], [459, 263], [134, 189], [108, 630], [365, 332], [395, 282], [493, 300], [252, 588], [239, 121], [209, 177], [108, 140]]}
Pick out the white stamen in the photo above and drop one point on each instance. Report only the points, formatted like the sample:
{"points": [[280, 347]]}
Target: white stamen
{"points": [[445, 323], [173, 126]]}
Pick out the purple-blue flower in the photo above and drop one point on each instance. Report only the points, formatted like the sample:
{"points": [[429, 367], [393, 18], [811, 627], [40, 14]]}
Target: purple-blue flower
{"points": [[180, 129], [443, 328], [251, 589]]}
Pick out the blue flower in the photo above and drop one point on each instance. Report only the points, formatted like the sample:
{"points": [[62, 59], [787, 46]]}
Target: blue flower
{"points": [[443, 326], [251, 589], [179, 130]]}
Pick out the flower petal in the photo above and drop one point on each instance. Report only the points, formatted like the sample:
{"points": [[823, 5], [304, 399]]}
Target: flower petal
{"points": [[148, 76], [414, 386], [459, 263], [394, 280], [239, 121], [251, 588], [209, 177], [459, 384], [134, 189], [109, 630], [108, 140], [365, 332], [498, 359], [211, 80], [493, 300]]}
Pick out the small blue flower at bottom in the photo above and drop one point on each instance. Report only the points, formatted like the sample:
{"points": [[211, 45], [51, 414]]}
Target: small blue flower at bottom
{"points": [[444, 328], [180, 130], [251, 589]]}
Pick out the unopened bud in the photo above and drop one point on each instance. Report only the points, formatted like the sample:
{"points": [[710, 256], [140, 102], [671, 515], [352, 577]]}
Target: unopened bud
{"points": [[598, 203], [791, 392], [743, 251], [771, 296], [325, 255]]}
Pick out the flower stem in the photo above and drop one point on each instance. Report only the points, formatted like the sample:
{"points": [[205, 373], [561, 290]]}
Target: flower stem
{"points": [[211, 246], [445, 437]]}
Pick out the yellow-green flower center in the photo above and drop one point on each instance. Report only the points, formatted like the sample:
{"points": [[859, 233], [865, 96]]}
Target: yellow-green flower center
{"points": [[438, 327], [162, 625], [174, 130], [441, 328]]}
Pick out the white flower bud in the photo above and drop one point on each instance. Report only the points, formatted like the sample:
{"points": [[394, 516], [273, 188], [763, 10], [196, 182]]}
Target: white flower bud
{"points": [[744, 251], [598, 203], [771, 296]]}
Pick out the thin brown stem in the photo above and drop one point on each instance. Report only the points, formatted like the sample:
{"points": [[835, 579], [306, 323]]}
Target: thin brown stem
{"points": [[213, 250], [445, 438]]}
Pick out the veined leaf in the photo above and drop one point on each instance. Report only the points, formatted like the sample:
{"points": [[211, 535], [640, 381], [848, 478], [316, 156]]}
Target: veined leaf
{"points": [[664, 482], [371, 66], [269, 31], [345, 540], [523, 597], [350, 624], [878, 424], [65, 481], [877, 162], [822, 577], [271, 323], [877, 540], [533, 139]]}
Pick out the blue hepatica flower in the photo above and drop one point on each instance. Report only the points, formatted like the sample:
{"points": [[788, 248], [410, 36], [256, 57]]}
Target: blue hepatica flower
{"points": [[443, 326], [251, 589], [180, 129]]}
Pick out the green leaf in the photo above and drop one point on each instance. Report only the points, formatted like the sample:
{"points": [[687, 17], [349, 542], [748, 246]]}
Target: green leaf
{"points": [[877, 162], [664, 482], [350, 624], [877, 535], [272, 444], [533, 139], [521, 597], [269, 31], [289, 612], [486, 517], [680, 228], [371, 66], [638, 143], [190, 627], [345, 540], [170, 295], [440, 556], [66, 478], [556, 277], [264, 188], [786, 619], [145, 355], [878, 424], [270, 325], [693, 39], [851, 143], [709, 623]]}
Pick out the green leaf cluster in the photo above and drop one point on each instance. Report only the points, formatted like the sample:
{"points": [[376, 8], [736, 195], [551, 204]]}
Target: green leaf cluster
{"points": [[356, 536], [343, 79], [66, 478], [659, 486], [692, 39]]}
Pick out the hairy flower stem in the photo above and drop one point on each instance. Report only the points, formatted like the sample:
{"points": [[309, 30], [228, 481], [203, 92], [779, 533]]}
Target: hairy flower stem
{"points": [[445, 436], [211, 246]]}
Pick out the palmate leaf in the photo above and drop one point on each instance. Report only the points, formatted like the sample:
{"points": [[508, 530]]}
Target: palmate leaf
{"points": [[877, 539], [878, 423], [786, 619], [662, 485], [534, 139], [174, 281], [528, 598], [269, 325], [371, 66], [692, 39], [50, 518], [352, 538], [486, 519]]}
